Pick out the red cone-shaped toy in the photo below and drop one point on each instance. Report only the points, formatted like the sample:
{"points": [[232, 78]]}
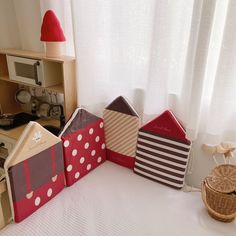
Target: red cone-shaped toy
{"points": [[51, 30]]}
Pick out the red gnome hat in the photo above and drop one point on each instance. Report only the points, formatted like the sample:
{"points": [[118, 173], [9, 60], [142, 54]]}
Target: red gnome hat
{"points": [[51, 30]]}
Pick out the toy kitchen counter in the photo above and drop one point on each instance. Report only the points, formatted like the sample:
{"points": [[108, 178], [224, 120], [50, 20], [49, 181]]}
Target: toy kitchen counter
{"points": [[9, 136]]}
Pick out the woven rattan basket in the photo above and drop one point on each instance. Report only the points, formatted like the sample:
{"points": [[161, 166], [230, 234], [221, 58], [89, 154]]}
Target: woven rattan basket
{"points": [[217, 193]]}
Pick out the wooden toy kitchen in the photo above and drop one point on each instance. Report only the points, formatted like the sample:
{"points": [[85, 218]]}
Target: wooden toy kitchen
{"points": [[33, 87]]}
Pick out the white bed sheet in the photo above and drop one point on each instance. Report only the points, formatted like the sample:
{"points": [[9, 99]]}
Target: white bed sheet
{"points": [[112, 200]]}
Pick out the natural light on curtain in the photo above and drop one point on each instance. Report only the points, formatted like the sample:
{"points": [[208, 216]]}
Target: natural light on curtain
{"points": [[160, 54]]}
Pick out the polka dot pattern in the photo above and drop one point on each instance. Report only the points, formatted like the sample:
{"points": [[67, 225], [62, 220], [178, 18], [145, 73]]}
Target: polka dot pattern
{"points": [[69, 168], [66, 143], [82, 159], [44, 192], [74, 152], [37, 201], [49, 192], [77, 174], [79, 137], [85, 152], [88, 166], [93, 153]]}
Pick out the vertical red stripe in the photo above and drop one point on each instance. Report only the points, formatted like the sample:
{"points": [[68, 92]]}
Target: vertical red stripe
{"points": [[53, 161], [27, 176]]}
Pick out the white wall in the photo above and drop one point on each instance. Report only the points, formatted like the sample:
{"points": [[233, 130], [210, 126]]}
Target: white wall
{"points": [[9, 33], [28, 18], [202, 163], [20, 24]]}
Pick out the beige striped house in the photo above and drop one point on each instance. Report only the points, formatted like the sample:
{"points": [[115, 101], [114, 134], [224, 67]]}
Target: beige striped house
{"points": [[121, 124]]}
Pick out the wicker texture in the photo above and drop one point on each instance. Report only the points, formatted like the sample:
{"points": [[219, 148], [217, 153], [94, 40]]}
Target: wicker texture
{"points": [[220, 206], [217, 193], [223, 178]]}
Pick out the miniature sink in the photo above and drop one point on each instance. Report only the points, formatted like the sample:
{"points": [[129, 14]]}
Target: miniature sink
{"points": [[19, 119], [53, 129]]}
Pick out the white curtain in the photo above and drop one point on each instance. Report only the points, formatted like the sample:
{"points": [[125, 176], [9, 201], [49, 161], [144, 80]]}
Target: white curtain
{"points": [[20, 23], [62, 10], [160, 54], [177, 55], [9, 31]]}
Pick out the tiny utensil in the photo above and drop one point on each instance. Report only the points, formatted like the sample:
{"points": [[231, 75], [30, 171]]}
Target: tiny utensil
{"points": [[23, 96], [43, 109]]}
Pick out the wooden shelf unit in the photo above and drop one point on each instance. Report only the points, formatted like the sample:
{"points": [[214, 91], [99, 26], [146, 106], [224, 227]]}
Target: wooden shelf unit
{"points": [[62, 68], [55, 88]]}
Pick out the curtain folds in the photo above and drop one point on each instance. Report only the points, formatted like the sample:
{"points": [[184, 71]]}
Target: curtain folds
{"points": [[160, 54]]}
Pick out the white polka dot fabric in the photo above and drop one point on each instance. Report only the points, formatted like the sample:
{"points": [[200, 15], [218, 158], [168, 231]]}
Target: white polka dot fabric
{"points": [[49, 192], [37, 201], [84, 148], [66, 143]]}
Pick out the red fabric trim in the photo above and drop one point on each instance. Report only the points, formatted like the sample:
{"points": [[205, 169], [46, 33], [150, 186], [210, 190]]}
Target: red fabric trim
{"points": [[26, 207], [27, 176], [120, 159]]}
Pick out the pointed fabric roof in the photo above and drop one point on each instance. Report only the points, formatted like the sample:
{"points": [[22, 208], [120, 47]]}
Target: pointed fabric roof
{"points": [[33, 140], [79, 120], [167, 125], [51, 30], [121, 105]]}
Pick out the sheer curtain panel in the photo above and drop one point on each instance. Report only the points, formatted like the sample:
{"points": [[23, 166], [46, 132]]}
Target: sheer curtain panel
{"points": [[177, 55], [160, 54]]}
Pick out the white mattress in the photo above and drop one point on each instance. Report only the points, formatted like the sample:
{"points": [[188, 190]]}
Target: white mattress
{"points": [[112, 200]]}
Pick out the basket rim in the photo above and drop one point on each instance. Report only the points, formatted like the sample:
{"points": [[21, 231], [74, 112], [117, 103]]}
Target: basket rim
{"points": [[215, 174], [217, 192], [226, 217]]}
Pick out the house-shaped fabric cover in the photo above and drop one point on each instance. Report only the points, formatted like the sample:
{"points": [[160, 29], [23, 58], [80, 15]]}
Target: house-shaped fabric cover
{"points": [[121, 124], [163, 151], [34, 170], [83, 144]]}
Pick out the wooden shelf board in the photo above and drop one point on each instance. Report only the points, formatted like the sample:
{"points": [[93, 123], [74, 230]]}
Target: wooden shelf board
{"points": [[57, 88], [36, 55], [5, 78]]}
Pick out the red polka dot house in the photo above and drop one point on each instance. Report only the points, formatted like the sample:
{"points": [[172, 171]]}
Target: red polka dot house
{"points": [[41, 163]]}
